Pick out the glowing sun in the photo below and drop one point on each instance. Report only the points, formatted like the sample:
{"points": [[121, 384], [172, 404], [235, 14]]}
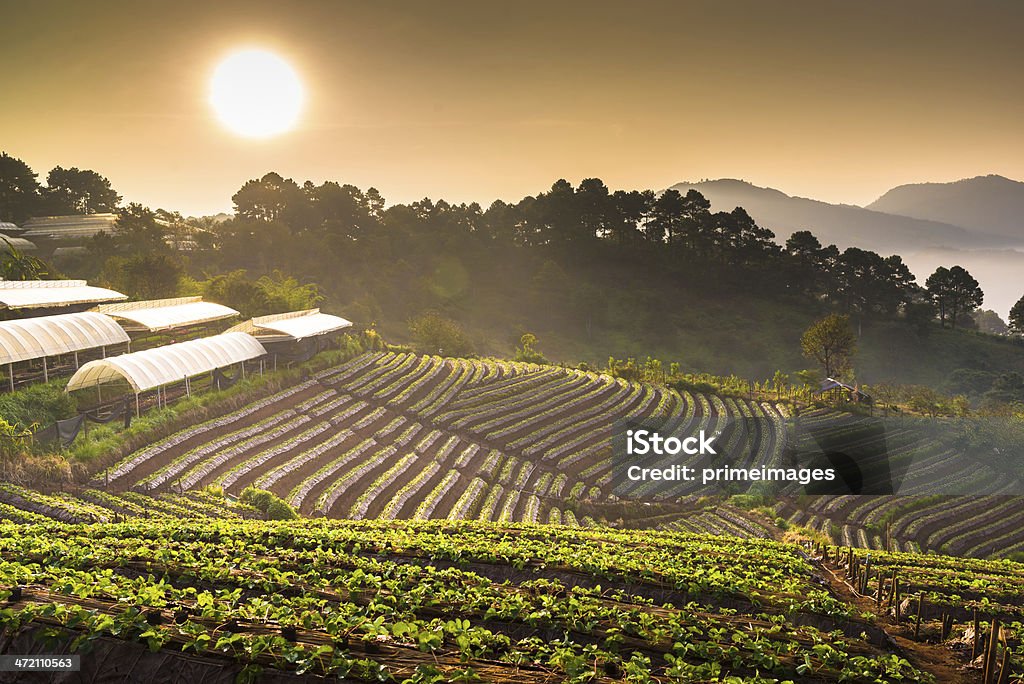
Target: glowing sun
{"points": [[257, 94]]}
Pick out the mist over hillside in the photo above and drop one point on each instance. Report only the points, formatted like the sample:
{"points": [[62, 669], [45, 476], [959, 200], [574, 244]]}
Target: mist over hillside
{"points": [[999, 271], [927, 237]]}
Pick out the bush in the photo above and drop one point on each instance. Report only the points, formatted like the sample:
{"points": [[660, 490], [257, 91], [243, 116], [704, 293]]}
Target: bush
{"points": [[267, 502], [42, 471], [257, 498], [432, 333], [279, 510], [42, 404]]}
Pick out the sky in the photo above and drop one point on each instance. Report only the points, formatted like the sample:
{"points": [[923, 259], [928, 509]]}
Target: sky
{"points": [[475, 101]]}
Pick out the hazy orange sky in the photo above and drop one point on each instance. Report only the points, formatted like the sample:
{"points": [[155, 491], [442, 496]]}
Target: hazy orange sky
{"points": [[473, 101]]}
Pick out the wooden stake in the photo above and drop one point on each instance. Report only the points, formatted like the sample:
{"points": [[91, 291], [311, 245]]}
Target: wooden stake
{"points": [[917, 623], [878, 597], [990, 652], [1004, 668], [896, 600], [977, 636]]}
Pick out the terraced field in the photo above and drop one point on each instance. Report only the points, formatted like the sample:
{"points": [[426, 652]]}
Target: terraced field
{"points": [[419, 559], [982, 527], [400, 436], [926, 514], [84, 505]]}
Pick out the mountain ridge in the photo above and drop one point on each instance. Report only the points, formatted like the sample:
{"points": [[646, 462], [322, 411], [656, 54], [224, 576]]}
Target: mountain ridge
{"points": [[845, 225], [993, 258], [990, 204]]}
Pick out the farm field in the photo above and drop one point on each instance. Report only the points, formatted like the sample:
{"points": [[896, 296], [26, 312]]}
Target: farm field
{"points": [[458, 524], [401, 436], [432, 601]]}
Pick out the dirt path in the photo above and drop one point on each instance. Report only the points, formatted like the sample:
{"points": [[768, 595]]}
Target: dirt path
{"points": [[933, 658]]}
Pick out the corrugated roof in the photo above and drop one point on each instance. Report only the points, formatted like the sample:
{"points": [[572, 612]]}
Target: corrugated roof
{"points": [[20, 244], [34, 338], [294, 324], [165, 314], [171, 363], [73, 226], [28, 294]]}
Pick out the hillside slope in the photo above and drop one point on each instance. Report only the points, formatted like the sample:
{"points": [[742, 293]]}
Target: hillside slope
{"points": [[987, 205], [400, 436]]}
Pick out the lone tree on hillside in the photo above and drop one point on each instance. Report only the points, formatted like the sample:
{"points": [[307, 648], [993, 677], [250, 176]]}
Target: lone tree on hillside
{"points": [[432, 333], [528, 352], [1017, 317], [954, 292], [831, 342]]}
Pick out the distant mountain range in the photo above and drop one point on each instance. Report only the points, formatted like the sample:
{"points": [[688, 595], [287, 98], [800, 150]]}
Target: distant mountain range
{"points": [[977, 223], [991, 205]]}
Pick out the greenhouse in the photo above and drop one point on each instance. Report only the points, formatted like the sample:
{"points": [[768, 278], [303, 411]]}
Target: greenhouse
{"points": [[166, 314], [33, 294], [161, 366], [32, 339]]}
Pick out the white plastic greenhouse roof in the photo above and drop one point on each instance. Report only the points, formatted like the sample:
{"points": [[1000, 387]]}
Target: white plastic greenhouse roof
{"points": [[171, 363], [295, 324], [28, 294], [18, 243], [35, 338], [165, 314]]}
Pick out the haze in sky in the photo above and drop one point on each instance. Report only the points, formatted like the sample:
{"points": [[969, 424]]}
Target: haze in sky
{"points": [[473, 101]]}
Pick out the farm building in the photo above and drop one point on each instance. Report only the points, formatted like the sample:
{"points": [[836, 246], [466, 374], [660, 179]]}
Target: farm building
{"points": [[293, 335], [840, 390], [18, 243], [51, 294], [160, 367], [159, 315], [32, 342], [69, 227]]}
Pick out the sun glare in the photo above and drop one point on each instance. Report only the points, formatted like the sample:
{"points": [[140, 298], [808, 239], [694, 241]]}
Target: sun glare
{"points": [[256, 94]]}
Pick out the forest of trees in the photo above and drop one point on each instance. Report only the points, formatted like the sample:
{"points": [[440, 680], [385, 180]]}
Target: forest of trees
{"points": [[328, 232], [67, 191], [672, 234]]}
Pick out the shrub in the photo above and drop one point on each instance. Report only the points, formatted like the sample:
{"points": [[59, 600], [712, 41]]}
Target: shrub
{"points": [[42, 404], [432, 333], [42, 471], [279, 510], [268, 503]]}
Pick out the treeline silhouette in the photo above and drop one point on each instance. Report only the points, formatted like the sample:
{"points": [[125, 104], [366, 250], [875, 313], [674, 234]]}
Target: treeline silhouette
{"points": [[574, 258], [667, 237]]}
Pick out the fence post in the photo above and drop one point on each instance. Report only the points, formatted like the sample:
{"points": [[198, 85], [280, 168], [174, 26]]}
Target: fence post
{"points": [[917, 623], [977, 636], [990, 652]]}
